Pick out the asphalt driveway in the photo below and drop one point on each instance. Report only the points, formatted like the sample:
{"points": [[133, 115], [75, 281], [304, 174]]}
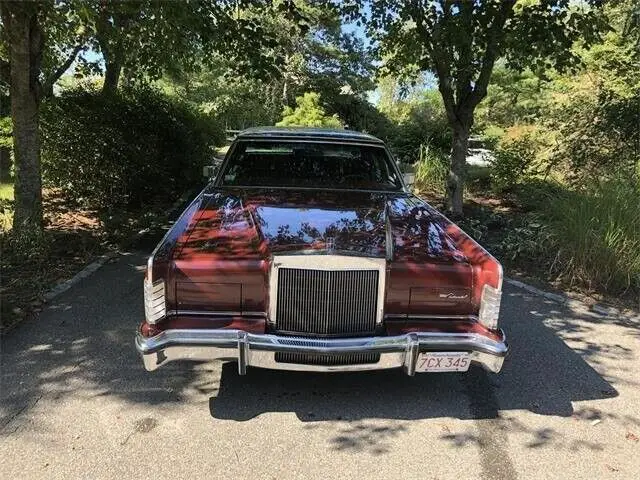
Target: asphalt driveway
{"points": [[75, 402]]}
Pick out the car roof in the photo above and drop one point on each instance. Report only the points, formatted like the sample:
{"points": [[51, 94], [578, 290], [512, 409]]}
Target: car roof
{"points": [[307, 133]]}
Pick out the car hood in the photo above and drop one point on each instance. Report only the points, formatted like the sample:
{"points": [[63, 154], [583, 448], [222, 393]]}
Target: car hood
{"points": [[240, 223]]}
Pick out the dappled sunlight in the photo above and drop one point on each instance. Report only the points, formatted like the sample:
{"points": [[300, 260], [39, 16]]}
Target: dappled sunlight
{"points": [[89, 356]]}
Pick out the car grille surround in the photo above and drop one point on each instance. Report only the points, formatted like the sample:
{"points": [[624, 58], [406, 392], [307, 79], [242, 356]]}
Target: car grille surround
{"points": [[330, 300]]}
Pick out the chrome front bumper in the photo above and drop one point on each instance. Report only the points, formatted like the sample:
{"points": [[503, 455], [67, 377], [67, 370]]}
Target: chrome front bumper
{"points": [[259, 350]]}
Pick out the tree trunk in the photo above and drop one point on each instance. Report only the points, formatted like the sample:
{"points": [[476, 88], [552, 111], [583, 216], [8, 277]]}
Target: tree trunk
{"points": [[5, 164], [111, 76], [25, 52], [456, 178], [5, 152]]}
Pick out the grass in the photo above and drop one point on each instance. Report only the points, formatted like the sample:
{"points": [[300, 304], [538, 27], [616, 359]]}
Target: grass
{"points": [[431, 171], [6, 191], [597, 232], [585, 239], [6, 206]]}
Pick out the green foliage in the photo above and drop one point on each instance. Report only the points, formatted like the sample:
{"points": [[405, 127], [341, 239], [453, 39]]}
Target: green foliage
{"points": [[597, 235], [432, 169], [514, 161], [512, 98], [6, 206], [236, 101], [358, 114], [461, 41], [312, 55], [492, 135], [308, 113], [424, 124], [148, 37], [530, 238], [6, 131], [123, 150], [596, 114]]}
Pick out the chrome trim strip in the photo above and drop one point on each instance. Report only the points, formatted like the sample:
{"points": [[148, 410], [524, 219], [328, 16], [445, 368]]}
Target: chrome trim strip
{"points": [[420, 316], [258, 350], [205, 313], [389, 241], [284, 187]]}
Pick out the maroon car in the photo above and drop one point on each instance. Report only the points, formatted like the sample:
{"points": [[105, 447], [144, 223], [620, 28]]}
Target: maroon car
{"points": [[307, 252]]}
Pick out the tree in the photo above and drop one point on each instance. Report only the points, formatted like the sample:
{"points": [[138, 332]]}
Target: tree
{"points": [[44, 38], [308, 113], [460, 42], [316, 54], [147, 37], [33, 71], [311, 53]]}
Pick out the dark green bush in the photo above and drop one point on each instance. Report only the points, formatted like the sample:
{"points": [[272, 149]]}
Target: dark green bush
{"points": [[425, 125], [123, 150]]}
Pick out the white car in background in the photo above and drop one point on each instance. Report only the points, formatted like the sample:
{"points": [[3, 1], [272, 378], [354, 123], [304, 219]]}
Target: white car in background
{"points": [[477, 154]]}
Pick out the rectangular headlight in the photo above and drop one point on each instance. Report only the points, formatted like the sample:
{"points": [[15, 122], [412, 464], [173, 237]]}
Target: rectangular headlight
{"points": [[154, 304], [490, 306]]}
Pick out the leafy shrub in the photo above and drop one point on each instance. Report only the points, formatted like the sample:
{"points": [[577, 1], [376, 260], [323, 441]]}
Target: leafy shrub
{"points": [[514, 161], [530, 239], [426, 124], [125, 149], [478, 178], [358, 114], [308, 113], [492, 135]]}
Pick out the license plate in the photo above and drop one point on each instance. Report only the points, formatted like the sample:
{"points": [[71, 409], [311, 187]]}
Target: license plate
{"points": [[443, 362]]}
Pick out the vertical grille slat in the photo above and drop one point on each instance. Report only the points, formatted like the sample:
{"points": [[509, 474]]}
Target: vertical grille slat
{"points": [[326, 302]]}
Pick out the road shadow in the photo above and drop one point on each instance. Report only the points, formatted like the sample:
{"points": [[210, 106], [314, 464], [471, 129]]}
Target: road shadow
{"points": [[542, 375], [82, 345]]}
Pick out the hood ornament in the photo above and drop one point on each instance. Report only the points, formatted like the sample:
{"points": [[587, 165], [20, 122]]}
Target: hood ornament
{"points": [[330, 244]]}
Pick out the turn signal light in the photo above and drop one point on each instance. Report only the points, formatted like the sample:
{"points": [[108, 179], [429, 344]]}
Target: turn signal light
{"points": [[490, 307], [154, 302]]}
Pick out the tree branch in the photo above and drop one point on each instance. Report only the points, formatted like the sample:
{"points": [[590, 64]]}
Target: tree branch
{"points": [[47, 87], [464, 67], [496, 35]]}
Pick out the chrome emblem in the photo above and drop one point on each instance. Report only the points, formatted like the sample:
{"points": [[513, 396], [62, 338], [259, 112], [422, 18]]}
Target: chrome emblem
{"points": [[453, 296], [330, 244]]}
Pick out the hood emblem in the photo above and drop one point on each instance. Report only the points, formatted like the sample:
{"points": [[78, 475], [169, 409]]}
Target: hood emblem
{"points": [[330, 244], [453, 296]]}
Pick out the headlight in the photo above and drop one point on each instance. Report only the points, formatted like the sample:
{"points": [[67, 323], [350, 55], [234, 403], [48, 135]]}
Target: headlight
{"points": [[490, 306], [154, 304]]}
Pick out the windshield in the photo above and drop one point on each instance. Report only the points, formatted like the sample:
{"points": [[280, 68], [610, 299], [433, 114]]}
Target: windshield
{"points": [[317, 165]]}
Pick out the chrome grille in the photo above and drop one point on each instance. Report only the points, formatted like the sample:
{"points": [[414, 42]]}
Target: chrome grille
{"points": [[326, 302], [327, 359]]}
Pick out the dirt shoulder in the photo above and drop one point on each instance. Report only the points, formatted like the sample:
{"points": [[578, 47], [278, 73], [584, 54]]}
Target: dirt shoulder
{"points": [[73, 238]]}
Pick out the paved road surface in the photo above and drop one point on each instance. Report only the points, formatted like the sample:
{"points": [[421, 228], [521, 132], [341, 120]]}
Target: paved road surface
{"points": [[75, 402]]}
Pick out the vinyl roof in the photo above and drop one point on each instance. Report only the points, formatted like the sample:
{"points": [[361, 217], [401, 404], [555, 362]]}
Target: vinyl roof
{"points": [[308, 133]]}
